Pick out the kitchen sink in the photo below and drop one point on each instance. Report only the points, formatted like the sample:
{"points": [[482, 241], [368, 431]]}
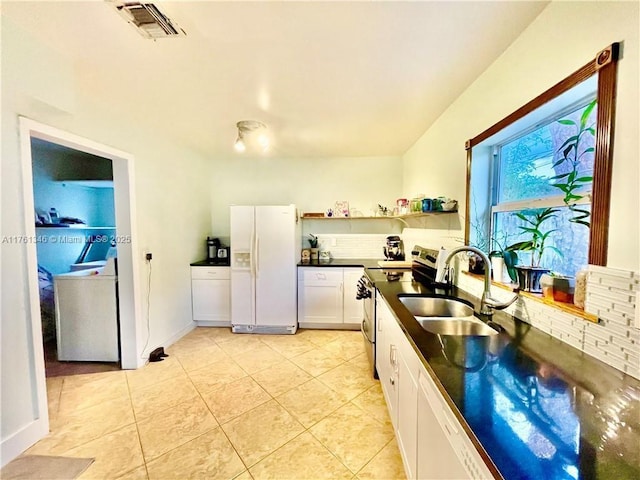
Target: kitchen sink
{"points": [[468, 326], [436, 307], [446, 316]]}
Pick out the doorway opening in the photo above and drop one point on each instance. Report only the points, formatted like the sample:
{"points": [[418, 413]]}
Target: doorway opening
{"points": [[77, 259], [32, 134]]}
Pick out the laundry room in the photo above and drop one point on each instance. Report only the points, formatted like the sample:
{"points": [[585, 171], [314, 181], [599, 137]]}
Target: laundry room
{"points": [[75, 228]]}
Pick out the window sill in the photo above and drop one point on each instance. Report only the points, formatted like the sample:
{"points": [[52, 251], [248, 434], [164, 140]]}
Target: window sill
{"points": [[537, 297]]}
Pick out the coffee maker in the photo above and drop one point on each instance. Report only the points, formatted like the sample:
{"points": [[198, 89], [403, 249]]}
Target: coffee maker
{"points": [[213, 244], [394, 249]]}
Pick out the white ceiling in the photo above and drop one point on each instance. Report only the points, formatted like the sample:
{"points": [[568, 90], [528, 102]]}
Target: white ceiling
{"points": [[330, 79]]}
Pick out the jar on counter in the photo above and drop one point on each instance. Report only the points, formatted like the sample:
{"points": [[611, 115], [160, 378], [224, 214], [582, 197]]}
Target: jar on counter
{"points": [[580, 289]]}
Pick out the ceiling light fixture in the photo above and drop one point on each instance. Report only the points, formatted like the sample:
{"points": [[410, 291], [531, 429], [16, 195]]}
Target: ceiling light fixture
{"points": [[245, 130]]}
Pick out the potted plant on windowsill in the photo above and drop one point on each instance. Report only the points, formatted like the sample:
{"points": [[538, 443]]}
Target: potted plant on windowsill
{"points": [[501, 257], [529, 275]]}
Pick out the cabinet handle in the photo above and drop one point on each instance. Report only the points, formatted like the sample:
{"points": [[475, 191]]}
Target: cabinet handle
{"points": [[392, 381]]}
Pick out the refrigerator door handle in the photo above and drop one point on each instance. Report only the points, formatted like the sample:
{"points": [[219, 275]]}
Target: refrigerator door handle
{"points": [[252, 252], [257, 264]]}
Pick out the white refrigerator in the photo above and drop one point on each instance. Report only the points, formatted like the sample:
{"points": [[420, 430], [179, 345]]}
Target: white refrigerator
{"points": [[265, 248]]}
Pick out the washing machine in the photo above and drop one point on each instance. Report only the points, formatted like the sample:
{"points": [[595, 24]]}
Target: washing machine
{"points": [[86, 305]]}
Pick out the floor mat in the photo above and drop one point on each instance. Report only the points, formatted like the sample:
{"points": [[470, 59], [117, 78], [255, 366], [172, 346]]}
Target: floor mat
{"points": [[34, 467]]}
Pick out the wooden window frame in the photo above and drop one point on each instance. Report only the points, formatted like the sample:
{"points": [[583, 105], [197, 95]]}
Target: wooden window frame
{"points": [[605, 66]]}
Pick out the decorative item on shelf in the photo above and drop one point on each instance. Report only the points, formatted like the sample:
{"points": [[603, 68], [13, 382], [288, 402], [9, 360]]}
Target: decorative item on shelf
{"points": [[329, 212], [313, 243], [449, 205], [305, 255], [342, 209], [415, 205], [324, 256], [436, 204], [382, 211], [427, 205], [313, 215], [403, 206]]}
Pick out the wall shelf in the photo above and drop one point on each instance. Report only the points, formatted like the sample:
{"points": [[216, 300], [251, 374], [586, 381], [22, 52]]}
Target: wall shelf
{"points": [[388, 217], [402, 218]]}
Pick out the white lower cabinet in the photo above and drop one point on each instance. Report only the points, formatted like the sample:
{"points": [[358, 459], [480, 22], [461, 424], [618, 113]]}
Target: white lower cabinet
{"points": [[386, 354], [327, 297], [407, 429], [432, 442], [352, 307], [211, 295]]}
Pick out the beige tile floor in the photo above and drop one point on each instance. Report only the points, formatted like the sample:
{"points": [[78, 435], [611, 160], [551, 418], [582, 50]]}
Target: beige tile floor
{"points": [[225, 406]]}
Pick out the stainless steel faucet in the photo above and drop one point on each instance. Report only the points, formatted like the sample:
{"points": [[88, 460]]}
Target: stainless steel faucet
{"points": [[487, 303]]}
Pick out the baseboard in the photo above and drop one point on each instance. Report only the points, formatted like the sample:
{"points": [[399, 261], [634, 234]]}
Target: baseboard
{"points": [[170, 340], [212, 323], [17, 443], [329, 326]]}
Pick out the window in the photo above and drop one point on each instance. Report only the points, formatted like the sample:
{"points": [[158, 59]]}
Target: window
{"points": [[533, 169], [540, 189]]}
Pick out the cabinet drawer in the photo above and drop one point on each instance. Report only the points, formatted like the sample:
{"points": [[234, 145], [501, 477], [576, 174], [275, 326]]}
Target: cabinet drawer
{"points": [[212, 273], [315, 276]]}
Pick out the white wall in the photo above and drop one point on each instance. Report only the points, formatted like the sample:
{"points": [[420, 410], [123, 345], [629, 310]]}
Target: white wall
{"points": [[565, 36], [313, 184], [172, 195]]}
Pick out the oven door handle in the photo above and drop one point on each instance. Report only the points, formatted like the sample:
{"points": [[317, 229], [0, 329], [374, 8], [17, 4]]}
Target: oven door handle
{"points": [[364, 331]]}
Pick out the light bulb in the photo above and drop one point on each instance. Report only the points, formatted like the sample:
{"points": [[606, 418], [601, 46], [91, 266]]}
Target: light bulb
{"points": [[263, 141], [239, 145]]}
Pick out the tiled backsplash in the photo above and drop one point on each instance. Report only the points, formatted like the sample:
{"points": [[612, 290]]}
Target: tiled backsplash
{"points": [[353, 245], [611, 295]]}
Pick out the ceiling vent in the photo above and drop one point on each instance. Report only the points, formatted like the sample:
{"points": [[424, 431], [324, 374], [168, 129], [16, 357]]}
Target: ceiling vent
{"points": [[149, 21]]}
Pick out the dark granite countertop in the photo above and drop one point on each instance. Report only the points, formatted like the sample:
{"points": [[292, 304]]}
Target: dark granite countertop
{"points": [[343, 262], [535, 406], [215, 263]]}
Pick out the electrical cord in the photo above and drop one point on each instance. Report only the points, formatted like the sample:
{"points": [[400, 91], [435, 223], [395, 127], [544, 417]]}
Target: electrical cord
{"points": [[146, 343]]}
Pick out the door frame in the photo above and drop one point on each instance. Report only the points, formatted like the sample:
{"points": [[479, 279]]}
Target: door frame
{"points": [[128, 275]]}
